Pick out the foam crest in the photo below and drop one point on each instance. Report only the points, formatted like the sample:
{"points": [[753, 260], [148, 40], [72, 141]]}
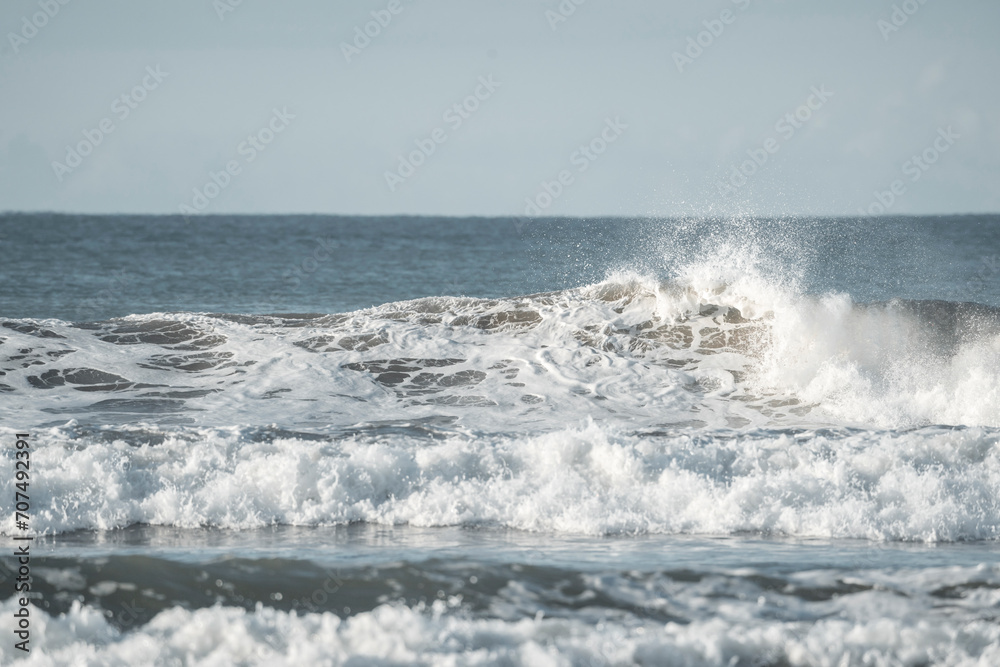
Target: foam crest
{"points": [[879, 628], [924, 485], [729, 341]]}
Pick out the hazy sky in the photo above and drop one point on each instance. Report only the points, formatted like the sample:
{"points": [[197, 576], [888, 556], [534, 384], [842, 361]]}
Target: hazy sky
{"points": [[303, 123]]}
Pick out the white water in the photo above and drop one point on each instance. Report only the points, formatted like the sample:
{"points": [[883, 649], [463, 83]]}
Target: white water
{"points": [[926, 485], [712, 349], [720, 402], [876, 628], [723, 402]]}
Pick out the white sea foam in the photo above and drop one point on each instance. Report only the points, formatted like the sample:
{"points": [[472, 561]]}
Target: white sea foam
{"points": [[724, 344], [930, 484], [873, 628], [717, 402]]}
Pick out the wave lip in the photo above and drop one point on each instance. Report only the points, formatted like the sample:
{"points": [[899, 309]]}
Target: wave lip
{"points": [[739, 352]]}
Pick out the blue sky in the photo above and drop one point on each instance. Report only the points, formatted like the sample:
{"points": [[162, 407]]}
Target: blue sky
{"points": [[463, 107]]}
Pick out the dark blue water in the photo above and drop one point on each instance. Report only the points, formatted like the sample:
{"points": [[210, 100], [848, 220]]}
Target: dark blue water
{"points": [[96, 267]]}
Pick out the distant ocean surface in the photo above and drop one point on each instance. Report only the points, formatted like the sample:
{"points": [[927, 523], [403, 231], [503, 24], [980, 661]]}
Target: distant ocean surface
{"points": [[297, 440]]}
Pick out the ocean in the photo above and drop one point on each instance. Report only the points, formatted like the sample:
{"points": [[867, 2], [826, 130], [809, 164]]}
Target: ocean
{"points": [[316, 440]]}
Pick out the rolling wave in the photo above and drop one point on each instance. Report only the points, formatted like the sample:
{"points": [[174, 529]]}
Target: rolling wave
{"points": [[714, 354], [722, 401]]}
